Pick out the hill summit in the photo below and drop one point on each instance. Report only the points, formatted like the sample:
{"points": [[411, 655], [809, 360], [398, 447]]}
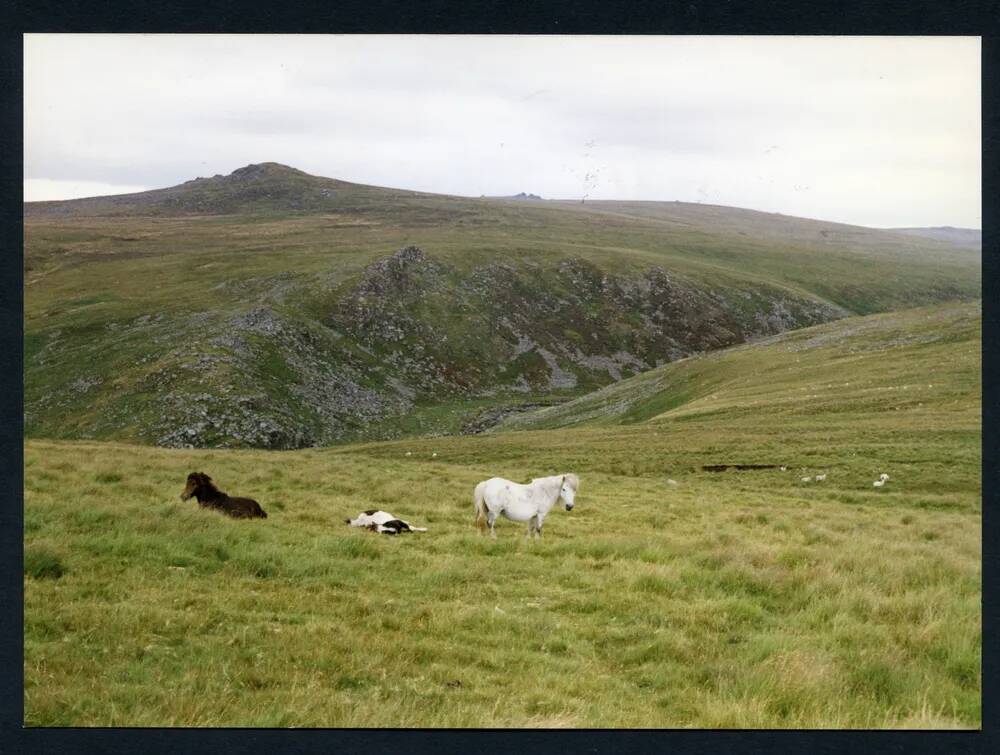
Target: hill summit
{"points": [[271, 173], [258, 188]]}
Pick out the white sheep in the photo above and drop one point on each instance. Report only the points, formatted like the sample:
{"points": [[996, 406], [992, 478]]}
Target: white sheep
{"points": [[671, 482], [883, 477], [783, 468], [807, 479], [821, 477], [878, 483]]}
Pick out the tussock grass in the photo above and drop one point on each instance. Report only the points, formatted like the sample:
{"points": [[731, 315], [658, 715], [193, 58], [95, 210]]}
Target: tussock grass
{"points": [[41, 563]]}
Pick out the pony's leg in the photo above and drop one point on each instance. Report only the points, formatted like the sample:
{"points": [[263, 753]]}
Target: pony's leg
{"points": [[531, 527], [480, 522], [538, 528], [491, 519]]}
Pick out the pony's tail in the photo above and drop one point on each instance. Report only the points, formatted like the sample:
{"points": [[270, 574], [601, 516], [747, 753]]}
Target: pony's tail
{"points": [[480, 507]]}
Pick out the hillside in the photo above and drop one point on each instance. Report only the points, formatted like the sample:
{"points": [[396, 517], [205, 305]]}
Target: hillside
{"points": [[276, 309], [875, 364], [670, 597]]}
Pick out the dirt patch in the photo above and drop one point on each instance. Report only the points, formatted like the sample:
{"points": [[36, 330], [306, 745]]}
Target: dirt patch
{"points": [[737, 467]]}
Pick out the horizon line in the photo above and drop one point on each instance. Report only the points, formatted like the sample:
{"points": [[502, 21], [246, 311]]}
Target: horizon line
{"points": [[530, 197]]}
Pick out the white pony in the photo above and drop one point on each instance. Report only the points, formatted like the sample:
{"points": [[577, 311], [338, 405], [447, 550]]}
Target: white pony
{"points": [[529, 503]]}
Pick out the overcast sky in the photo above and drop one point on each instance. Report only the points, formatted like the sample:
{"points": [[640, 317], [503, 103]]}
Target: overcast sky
{"points": [[877, 131]]}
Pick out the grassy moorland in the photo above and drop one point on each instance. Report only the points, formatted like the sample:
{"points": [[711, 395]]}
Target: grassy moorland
{"points": [[241, 310], [732, 599]]}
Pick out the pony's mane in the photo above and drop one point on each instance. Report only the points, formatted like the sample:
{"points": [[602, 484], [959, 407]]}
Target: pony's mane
{"points": [[208, 483], [572, 479]]}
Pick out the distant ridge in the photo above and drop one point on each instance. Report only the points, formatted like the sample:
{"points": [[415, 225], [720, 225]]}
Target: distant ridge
{"points": [[970, 238], [271, 188], [520, 195]]}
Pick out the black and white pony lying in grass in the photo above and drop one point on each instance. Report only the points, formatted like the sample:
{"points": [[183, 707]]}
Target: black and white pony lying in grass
{"points": [[384, 522]]}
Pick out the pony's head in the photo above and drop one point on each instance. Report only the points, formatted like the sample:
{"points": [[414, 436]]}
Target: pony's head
{"points": [[570, 484], [195, 481]]}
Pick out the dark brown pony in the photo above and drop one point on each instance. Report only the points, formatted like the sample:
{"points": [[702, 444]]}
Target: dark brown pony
{"points": [[200, 486]]}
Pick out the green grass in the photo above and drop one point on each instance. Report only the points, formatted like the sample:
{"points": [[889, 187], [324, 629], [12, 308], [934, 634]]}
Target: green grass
{"points": [[734, 599]]}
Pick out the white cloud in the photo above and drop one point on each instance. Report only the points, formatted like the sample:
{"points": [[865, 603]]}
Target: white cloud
{"points": [[871, 130]]}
